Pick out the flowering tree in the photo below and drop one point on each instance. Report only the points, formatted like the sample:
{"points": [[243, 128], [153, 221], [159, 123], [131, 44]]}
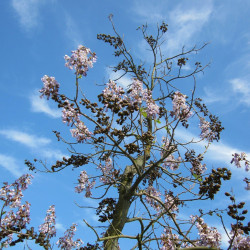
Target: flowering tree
{"points": [[146, 173]]}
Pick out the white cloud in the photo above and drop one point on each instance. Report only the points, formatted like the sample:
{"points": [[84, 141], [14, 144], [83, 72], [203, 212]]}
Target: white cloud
{"points": [[185, 24], [217, 151], [185, 21], [124, 81], [28, 140], [38, 144], [10, 164], [241, 87], [59, 226], [71, 31], [42, 106], [212, 97], [49, 153], [28, 12]]}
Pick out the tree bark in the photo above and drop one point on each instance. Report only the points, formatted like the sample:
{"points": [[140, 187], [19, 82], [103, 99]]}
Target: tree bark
{"points": [[122, 206]]}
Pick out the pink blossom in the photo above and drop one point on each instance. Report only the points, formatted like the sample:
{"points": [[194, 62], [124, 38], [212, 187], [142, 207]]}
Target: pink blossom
{"points": [[66, 242], [206, 132], [107, 171], [84, 184], [81, 132], [50, 87], [168, 240], [69, 114], [170, 203], [81, 60], [136, 92], [170, 160], [150, 190], [180, 108], [208, 236], [48, 227], [113, 92], [12, 194], [240, 241], [238, 158], [152, 108]]}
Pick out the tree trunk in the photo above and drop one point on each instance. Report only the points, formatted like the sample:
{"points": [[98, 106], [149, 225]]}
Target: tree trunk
{"points": [[122, 206]]}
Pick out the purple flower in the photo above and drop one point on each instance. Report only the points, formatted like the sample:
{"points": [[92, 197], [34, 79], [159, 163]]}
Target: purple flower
{"points": [[206, 132], [150, 190], [107, 171], [66, 242], [84, 184], [180, 108], [48, 227], [81, 132], [50, 87], [81, 60]]}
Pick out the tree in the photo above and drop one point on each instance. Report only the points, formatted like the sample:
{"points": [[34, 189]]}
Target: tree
{"points": [[145, 173]]}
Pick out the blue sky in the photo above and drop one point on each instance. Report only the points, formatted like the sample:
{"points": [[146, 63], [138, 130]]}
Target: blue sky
{"points": [[35, 36]]}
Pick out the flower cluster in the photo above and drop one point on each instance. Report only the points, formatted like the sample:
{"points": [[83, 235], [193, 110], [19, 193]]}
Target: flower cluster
{"points": [[168, 240], [208, 236], [81, 60], [48, 227], [106, 170], [11, 195], [84, 183], [50, 87], [113, 92], [240, 242], [69, 113], [152, 192], [170, 202], [169, 161], [238, 158], [206, 132], [136, 95], [81, 132], [152, 108], [180, 109], [66, 242], [71, 116]]}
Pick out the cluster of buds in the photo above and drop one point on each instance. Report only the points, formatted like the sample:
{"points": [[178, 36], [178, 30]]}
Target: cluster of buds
{"points": [[211, 185]]}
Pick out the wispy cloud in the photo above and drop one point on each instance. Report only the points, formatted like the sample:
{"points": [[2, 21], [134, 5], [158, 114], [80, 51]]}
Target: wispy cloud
{"points": [[28, 140], [28, 12], [241, 87], [185, 24], [71, 31], [185, 21], [39, 145], [42, 106], [10, 164], [124, 81], [217, 151]]}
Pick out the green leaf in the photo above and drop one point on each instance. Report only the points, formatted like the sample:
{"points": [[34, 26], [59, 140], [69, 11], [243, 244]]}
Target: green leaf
{"points": [[142, 111], [197, 177], [158, 121]]}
